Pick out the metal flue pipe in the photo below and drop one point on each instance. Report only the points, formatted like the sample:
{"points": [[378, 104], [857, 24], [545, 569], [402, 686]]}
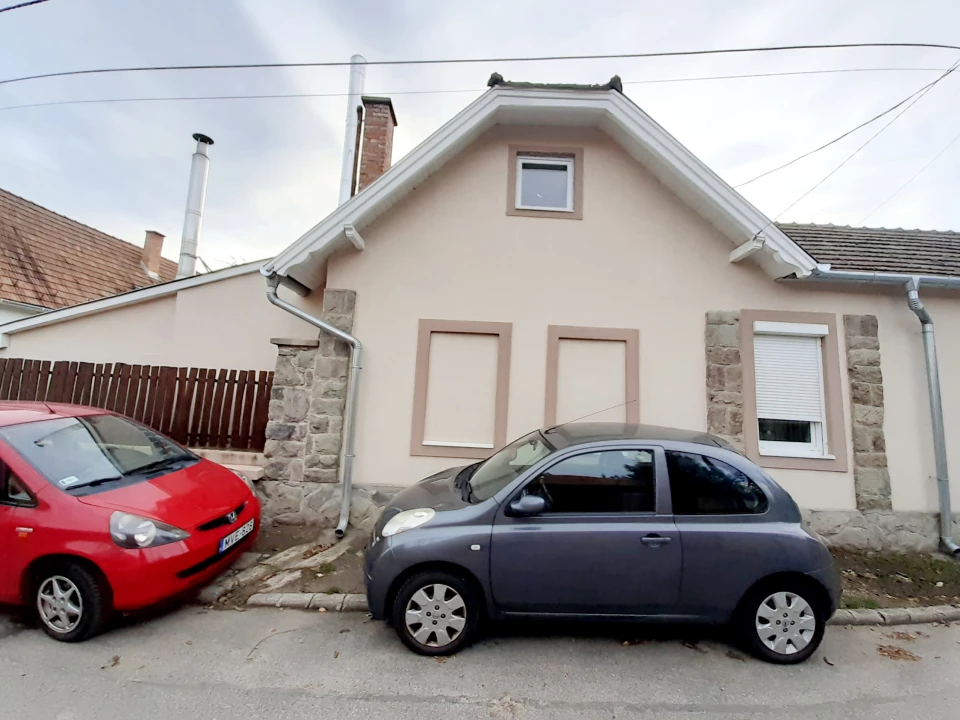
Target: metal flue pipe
{"points": [[358, 75], [353, 389], [912, 284], [193, 218]]}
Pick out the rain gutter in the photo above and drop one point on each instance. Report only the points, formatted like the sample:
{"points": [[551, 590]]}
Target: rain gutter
{"points": [[912, 284]]}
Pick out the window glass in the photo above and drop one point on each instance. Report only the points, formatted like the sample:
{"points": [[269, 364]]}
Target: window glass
{"points": [[73, 452], [701, 485], [612, 481], [17, 491], [545, 184], [504, 467]]}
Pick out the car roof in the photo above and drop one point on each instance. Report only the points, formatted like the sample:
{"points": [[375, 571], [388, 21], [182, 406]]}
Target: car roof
{"points": [[562, 436], [17, 413]]}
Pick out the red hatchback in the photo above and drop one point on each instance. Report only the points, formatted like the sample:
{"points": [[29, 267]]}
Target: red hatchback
{"points": [[99, 514]]}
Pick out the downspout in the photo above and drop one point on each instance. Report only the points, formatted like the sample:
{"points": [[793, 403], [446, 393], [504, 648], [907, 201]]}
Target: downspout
{"points": [[912, 283], [349, 419], [947, 542]]}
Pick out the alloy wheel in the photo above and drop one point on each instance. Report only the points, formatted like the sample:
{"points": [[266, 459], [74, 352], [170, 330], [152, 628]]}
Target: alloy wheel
{"points": [[60, 604], [785, 623], [435, 615]]}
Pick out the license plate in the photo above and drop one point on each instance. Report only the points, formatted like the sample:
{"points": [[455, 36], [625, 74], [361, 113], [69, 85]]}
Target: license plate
{"points": [[236, 536]]}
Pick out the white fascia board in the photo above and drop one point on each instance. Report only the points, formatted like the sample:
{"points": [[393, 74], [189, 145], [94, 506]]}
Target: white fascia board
{"points": [[128, 298]]}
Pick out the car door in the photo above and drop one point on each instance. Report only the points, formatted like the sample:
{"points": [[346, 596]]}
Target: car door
{"points": [[602, 545], [722, 517], [15, 499]]}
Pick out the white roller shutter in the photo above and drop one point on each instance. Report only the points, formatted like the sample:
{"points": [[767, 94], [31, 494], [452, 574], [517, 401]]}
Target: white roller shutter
{"points": [[789, 377]]}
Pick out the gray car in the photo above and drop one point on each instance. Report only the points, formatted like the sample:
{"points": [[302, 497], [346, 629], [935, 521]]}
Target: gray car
{"points": [[602, 521]]}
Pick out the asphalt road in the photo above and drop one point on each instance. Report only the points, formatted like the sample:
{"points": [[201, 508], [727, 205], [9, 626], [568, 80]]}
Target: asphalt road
{"points": [[279, 664]]}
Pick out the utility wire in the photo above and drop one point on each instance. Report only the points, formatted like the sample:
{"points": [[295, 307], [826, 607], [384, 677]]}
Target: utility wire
{"points": [[869, 140], [462, 61], [841, 137], [21, 5], [915, 176], [470, 90]]}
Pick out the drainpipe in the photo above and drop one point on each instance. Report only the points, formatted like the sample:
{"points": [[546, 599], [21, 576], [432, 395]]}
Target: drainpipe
{"points": [[912, 284], [358, 74], [349, 419]]}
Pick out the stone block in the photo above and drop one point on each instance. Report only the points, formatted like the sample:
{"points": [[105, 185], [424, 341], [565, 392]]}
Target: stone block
{"points": [[724, 397], [331, 347], [295, 470], [723, 356], [870, 358], [735, 422], [280, 498], [322, 504], [860, 393], [324, 444], [734, 378], [851, 325], [868, 439], [716, 377], [276, 469], [285, 431], [331, 389], [876, 395], [320, 406], [895, 616], [864, 374], [867, 415], [723, 317], [265, 600], [296, 402], [858, 342], [866, 617], [341, 322], [717, 419], [868, 326], [275, 408], [322, 461], [723, 336], [872, 488], [330, 367], [276, 392], [321, 475], [320, 423], [339, 302], [870, 460], [285, 373], [306, 358], [332, 602], [924, 615], [283, 449]]}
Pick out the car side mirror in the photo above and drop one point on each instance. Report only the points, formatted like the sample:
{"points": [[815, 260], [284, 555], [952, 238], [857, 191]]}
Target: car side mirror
{"points": [[528, 505]]}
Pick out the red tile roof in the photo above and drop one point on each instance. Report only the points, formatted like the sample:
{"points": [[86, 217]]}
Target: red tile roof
{"points": [[52, 261]]}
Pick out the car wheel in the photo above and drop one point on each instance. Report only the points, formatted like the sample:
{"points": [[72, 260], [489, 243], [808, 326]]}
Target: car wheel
{"points": [[71, 603], [783, 621], [436, 613]]}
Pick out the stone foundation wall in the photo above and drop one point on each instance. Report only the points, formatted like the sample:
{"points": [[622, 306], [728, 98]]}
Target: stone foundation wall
{"points": [[877, 530]]}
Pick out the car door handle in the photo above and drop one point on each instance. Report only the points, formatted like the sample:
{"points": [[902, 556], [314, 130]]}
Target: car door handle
{"points": [[654, 540]]}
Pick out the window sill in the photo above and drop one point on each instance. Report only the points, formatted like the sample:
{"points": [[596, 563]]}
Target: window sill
{"points": [[799, 455], [544, 209]]}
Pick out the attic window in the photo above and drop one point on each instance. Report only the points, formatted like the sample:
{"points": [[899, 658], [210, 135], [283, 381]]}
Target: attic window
{"points": [[545, 183]]}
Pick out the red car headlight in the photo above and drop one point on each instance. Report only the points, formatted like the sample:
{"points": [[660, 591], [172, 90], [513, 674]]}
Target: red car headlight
{"points": [[134, 532]]}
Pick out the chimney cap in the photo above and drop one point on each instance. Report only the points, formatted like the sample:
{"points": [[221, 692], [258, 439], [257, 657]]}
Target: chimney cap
{"points": [[205, 139], [374, 100], [154, 232]]}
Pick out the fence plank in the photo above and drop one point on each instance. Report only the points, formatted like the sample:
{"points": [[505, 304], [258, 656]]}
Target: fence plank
{"points": [[43, 381], [13, 390], [103, 391], [3, 369], [249, 398], [6, 379], [150, 406], [121, 377], [140, 407], [168, 381], [84, 386], [208, 390], [258, 433], [134, 388], [196, 417], [58, 382], [181, 413], [28, 379], [216, 410], [235, 431], [225, 414]]}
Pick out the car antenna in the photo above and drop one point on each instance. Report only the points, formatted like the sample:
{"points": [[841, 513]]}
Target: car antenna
{"points": [[614, 407]]}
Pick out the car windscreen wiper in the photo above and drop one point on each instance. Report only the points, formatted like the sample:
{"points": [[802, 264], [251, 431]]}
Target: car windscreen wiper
{"points": [[156, 465], [94, 483]]}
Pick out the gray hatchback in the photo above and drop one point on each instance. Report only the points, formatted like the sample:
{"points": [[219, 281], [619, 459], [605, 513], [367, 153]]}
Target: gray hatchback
{"points": [[602, 521]]}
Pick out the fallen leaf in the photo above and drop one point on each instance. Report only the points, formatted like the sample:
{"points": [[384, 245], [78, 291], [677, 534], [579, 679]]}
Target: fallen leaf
{"points": [[189, 642], [694, 646], [626, 643], [240, 609], [114, 661], [440, 659], [336, 654], [900, 635], [828, 661], [734, 655], [939, 583], [896, 653], [344, 630], [323, 609]]}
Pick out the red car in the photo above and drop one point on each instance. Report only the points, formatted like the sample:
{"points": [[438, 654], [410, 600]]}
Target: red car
{"points": [[99, 514]]}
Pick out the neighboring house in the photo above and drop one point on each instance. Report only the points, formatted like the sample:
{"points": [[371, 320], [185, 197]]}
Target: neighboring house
{"points": [[551, 252], [48, 261]]}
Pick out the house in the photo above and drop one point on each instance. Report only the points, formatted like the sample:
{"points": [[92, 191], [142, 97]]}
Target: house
{"points": [[551, 253], [48, 261]]}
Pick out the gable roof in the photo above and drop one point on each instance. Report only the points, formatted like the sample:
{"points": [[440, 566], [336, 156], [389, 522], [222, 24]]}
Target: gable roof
{"points": [[920, 252], [675, 166], [52, 261]]}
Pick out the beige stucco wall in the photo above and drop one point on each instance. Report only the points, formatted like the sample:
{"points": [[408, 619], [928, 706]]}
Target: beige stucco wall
{"points": [[638, 259], [225, 324]]}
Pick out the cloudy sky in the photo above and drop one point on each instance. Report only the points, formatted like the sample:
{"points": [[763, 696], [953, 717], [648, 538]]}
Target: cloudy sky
{"points": [[123, 167]]}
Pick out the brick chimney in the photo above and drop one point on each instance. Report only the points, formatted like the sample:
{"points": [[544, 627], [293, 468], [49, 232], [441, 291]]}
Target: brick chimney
{"points": [[377, 151], [150, 257]]}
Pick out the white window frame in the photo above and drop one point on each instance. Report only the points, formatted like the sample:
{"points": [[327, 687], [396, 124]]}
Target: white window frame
{"points": [[817, 447], [565, 161]]}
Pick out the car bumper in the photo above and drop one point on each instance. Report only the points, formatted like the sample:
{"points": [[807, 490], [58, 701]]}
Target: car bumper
{"points": [[378, 576], [829, 577], [141, 578]]}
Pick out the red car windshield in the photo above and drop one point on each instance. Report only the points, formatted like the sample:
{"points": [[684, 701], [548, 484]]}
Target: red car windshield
{"points": [[91, 450]]}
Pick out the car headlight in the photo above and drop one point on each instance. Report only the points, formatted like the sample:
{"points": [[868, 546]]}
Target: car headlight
{"points": [[407, 520], [134, 532]]}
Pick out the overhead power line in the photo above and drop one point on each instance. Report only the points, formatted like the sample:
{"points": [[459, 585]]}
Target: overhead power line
{"points": [[869, 140], [837, 139], [21, 5], [914, 177], [461, 61], [466, 90]]}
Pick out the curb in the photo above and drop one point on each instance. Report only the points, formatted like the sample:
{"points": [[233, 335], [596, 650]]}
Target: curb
{"points": [[897, 616], [337, 602]]}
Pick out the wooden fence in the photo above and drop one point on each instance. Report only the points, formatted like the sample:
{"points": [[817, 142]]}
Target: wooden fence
{"points": [[198, 407]]}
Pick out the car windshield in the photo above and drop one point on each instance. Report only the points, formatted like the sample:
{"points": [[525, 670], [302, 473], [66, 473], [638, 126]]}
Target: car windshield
{"points": [[93, 449], [507, 465]]}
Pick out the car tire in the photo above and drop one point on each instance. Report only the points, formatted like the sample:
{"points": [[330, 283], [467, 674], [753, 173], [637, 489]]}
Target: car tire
{"points": [[782, 621], [60, 591], [432, 593]]}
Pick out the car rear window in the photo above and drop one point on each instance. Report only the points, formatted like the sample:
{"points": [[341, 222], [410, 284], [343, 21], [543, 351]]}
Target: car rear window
{"points": [[77, 452], [701, 485]]}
